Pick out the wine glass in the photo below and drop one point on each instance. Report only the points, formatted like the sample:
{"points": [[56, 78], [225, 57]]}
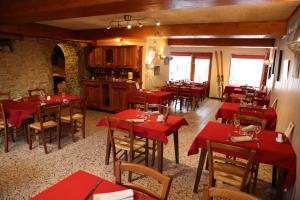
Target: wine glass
{"points": [[257, 130], [254, 103], [237, 124]]}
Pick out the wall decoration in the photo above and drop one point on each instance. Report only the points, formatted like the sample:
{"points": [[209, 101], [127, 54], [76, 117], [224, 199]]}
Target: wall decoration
{"points": [[285, 69], [278, 61], [274, 62], [156, 70]]}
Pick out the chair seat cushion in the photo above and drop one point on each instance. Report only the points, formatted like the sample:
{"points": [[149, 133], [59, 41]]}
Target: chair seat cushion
{"points": [[125, 145], [67, 118], [48, 124]]}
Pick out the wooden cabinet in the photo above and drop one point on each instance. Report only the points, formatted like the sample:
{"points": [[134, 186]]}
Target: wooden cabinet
{"points": [[118, 97], [116, 57], [92, 91]]}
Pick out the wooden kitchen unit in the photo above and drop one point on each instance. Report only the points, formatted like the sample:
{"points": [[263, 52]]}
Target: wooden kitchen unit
{"points": [[107, 95]]}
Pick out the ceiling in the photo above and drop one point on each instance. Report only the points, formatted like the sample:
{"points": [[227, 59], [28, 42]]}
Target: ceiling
{"points": [[218, 14]]}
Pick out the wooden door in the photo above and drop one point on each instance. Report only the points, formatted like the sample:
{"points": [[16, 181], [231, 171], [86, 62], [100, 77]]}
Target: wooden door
{"points": [[91, 58], [99, 56], [92, 91]]}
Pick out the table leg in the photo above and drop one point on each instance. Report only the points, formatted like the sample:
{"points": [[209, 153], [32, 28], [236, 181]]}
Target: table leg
{"points": [[160, 152], [176, 147], [202, 158], [108, 148], [281, 175]]}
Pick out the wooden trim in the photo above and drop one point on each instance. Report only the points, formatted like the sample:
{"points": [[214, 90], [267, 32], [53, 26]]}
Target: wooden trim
{"points": [[223, 42], [293, 13], [38, 30], [29, 11], [266, 28]]}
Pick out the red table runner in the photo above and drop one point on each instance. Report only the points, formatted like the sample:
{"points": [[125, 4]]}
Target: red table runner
{"points": [[269, 151], [150, 129], [18, 111], [227, 111], [77, 186]]}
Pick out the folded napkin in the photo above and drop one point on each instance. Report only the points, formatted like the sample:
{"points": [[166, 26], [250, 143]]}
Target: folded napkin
{"points": [[136, 120], [17, 99], [264, 107], [155, 112], [119, 195], [244, 138], [248, 128]]}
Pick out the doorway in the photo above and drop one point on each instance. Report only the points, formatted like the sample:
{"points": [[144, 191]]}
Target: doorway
{"points": [[58, 70]]}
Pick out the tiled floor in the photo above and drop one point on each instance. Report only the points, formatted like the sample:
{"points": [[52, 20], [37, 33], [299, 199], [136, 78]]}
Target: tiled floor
{"points": [[24, 172]]}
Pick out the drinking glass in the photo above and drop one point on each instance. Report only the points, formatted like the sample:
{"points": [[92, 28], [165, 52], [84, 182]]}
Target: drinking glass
{"points": [[237, 124], [254, 103], [257, 130]]}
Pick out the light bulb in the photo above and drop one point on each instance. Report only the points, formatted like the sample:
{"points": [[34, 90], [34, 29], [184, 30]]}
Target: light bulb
{"points": [[140, 24], [128, 26], [108, 27], [157, 23]]}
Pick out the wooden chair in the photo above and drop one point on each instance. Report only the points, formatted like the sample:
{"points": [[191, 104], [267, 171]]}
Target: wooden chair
{"points": [[164, 180], [185, 97], [6, 128], [228, 169], [209, 193], [138, 100], [289, 131], [175, 90], [251, 115], [274, 104], [36, 92], [5, 95], [164, 110], [125, 145], [76, 116], [48, 118]]}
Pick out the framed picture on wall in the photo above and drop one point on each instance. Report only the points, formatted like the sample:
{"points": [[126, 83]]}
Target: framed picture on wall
{"points": [[279, 61], [285, 69], [156, 70]]}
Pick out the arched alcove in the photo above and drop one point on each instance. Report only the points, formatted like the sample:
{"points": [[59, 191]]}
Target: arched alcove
{"points": [[73, 74], [58, 69]]}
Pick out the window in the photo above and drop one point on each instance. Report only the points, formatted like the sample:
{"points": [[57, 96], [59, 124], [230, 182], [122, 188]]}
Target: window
{"points": [[180, 68], [246, 70], [201, 69]]}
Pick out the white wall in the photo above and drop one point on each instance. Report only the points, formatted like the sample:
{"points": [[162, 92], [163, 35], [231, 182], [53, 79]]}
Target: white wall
{"points": [[288, 94], [227, 52]]}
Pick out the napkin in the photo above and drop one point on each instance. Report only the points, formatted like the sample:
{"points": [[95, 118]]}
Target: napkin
{"points": [[244, 138], [155, 112], [119, 195], [264, 107], [136, 120], [17, 99], [248, 128]]}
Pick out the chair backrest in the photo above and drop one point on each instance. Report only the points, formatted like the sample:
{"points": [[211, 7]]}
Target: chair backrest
{"points": [[289, 130], [185, 92], [215, 192], [223, 164], [164, 180], [78, 107], [36, 92], [49, 112], [251, 115], [274, 104], [3, 117], [120, 130], [138, 99], [162, 109], [5, 95]]}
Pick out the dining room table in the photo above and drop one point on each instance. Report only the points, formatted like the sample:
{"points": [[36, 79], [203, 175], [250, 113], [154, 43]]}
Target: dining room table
{"points": [[227, 111], [78, 186], [260, 100], [152, 129], [268, 150], [19, 110], [153, 97]]}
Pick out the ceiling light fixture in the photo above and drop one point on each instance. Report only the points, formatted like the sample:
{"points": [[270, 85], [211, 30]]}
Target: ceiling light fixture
{"points": [[129, 21]]}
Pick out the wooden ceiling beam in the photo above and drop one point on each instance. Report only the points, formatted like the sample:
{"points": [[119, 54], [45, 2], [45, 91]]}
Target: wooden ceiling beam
{"points": [[28, 11], [38, 30], [270, 28], [223, 42]]}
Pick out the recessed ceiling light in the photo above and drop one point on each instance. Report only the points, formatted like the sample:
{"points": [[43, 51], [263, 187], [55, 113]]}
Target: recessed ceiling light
{"points": [[157, 23]]}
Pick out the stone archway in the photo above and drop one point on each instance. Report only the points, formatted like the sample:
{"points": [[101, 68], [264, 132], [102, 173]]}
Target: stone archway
{"points": [[72, 53]]}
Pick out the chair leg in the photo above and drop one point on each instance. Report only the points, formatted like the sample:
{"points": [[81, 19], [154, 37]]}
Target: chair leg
{"points": [[274, 175], [44, 142], [58, 136], [153, 152], [83, 127], [256, 166], [73, 131], [29, 137], [5, 141], [146, 152]]}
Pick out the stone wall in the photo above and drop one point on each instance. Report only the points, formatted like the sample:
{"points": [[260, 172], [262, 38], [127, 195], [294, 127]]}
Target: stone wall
{"points": [[27, 67]]}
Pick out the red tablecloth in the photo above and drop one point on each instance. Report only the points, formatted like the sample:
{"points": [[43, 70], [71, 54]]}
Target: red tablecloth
{"points": [[227, 111], [230, 89], [77, 186], [18, 111], [153, 129], [260, 100], [153, 97], [269, 151]]}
